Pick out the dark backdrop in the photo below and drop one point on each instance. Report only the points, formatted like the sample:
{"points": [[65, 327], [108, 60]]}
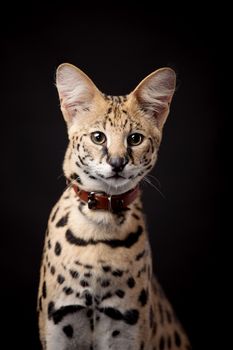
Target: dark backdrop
{"points": [[116, 48]]}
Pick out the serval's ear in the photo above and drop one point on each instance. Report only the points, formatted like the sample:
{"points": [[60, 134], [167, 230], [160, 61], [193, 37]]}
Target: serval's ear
{"points": [[154, 94], [76, 91]]}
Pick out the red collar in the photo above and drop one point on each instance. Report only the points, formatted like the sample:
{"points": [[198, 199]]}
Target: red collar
{"points": [[101, 200]]}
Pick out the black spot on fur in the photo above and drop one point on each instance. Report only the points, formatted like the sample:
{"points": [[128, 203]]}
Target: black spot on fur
{"points": [[84, 283], [143, 297], [89, 313], [105, 283], [115, 333], [57, 248], [131, 316], [106, 268], [142, 346], [142, 270], [161, 343], [68, 330], [59, 314], [126, 120], [128, 242], [92, 177], [88, 266], [44, 290], [140, 255], [81, 161], [135, 216], [137, 207], [110, 121], [117, 273], [120, 293], [68, 290], [49, 244], [112, 313], [50, 309], [63, 221], [131, 282], [106, 296], [54, 215], [74, 273], [87, 274], [177, 339], [88, 297], [60, 279]]}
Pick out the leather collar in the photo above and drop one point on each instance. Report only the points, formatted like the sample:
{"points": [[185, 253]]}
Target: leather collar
{"points": [[101, 200]]}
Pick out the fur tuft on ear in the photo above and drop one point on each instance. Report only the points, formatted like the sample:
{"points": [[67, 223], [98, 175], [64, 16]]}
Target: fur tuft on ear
{"points": [[154, 94], [75, 90]]}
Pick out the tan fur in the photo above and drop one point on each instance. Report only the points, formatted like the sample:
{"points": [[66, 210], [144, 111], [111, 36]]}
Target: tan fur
{"points": [[67, 262]]}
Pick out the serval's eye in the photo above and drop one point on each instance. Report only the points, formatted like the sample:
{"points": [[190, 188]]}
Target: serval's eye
{"points": [[98, 137], [135, 139]]}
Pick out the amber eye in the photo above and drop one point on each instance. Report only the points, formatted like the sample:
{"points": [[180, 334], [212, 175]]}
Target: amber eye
{"points": [[135, 139], [98, 137]]}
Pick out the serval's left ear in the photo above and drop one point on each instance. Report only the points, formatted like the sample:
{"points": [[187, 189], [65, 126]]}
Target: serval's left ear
{"points": [[154, 94]]}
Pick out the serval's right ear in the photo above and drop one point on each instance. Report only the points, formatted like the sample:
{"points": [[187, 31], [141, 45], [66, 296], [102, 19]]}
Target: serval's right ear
{"points": [[76, 91]]}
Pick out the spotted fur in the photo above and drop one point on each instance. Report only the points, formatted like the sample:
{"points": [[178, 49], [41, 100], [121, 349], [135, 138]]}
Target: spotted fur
{"points": [[97, 290]]}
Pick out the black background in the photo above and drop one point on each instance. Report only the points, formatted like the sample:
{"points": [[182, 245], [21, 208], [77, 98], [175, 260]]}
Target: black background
{"points": [[116, 48]]}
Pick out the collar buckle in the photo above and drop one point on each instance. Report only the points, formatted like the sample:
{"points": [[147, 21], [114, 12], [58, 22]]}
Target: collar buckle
{"points": [[92, 202]]}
